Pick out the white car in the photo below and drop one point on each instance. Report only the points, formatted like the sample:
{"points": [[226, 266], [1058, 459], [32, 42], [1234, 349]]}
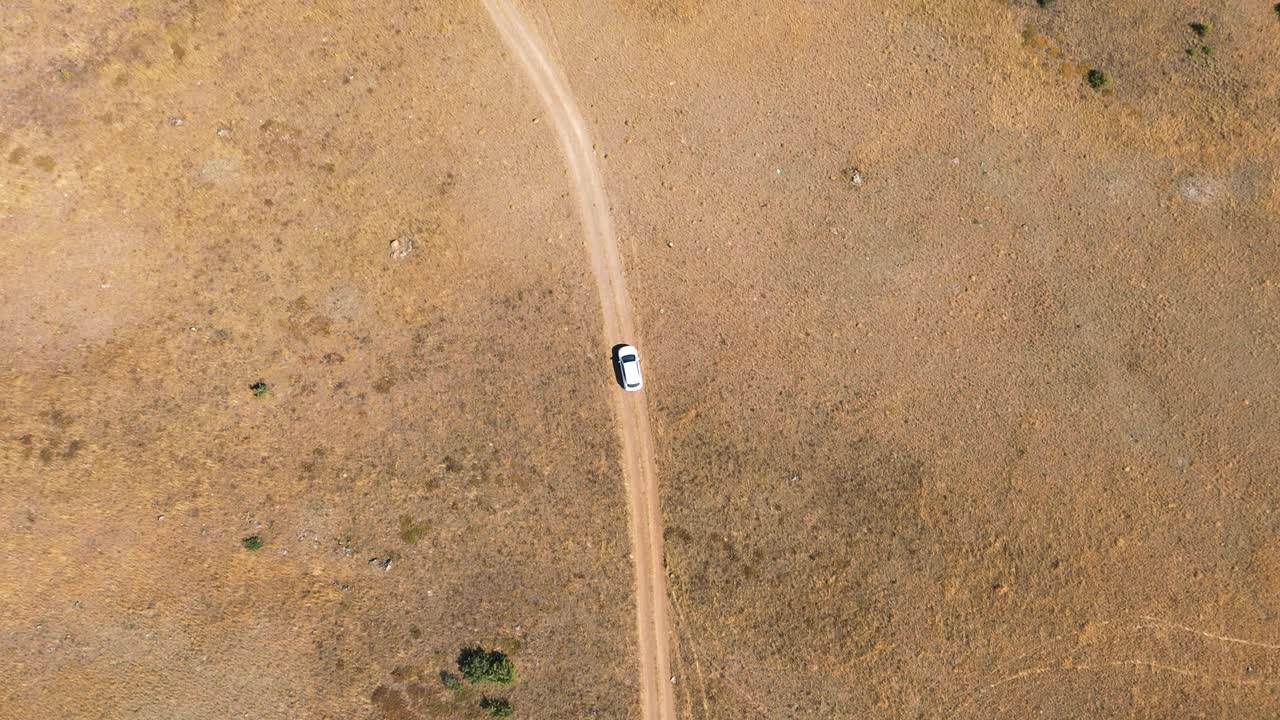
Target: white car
{"points": [[627, 362]]}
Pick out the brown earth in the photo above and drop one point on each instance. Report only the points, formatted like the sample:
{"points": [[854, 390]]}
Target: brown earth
{"points": [[990, 435]]}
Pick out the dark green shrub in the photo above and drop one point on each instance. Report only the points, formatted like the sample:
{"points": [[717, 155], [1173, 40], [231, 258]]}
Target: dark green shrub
{"points": [[1202, 28], [260, 388], [497, 707], [450, 680], [1098, 79], [252, 543], [479, 665]]}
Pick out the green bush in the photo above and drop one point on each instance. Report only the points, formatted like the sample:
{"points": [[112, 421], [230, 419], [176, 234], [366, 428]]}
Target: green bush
{"points": [[1098, 79], [497, 707], [1202, 28], [252, 543], [260, 388], [479, 665]]}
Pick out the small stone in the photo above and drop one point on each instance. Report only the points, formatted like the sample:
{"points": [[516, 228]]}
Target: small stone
{"points": [[854, 176], [224, 132], [401, 247], [176, 121]]}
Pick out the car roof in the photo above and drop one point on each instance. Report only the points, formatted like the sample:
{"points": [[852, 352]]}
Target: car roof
{"points": [[631, 373]]}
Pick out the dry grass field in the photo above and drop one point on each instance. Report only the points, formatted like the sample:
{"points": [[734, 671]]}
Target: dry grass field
{"points": [[963, 372]]}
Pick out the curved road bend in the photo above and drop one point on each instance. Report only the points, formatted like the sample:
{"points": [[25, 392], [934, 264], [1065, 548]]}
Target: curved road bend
{"points": [[656, 697]]}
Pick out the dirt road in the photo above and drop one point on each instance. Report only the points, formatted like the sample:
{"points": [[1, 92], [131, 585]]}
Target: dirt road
{"points": [[657, 702]]}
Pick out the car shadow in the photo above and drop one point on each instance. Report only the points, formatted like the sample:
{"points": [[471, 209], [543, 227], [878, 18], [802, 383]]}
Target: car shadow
{"points": [[617, 366]]}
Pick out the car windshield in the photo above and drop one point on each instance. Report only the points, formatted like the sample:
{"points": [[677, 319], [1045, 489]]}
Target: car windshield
{"points": [[628, 358]]}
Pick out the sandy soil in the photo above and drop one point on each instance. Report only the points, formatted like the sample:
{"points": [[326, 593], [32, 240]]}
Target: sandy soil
{"points": [[991, 434]]}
